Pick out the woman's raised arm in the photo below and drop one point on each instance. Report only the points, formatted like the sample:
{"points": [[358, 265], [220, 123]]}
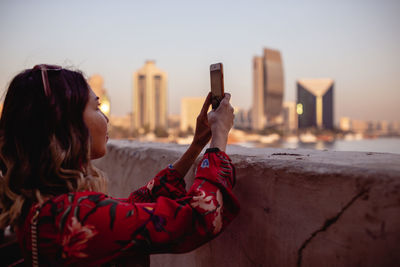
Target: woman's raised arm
{"points": [[201, 137]]}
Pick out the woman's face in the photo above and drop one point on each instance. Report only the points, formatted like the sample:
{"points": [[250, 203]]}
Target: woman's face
{"points": [[96, 122]]}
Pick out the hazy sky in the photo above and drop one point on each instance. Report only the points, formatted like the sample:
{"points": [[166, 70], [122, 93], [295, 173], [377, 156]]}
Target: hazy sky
{"points": [[357, 43]]}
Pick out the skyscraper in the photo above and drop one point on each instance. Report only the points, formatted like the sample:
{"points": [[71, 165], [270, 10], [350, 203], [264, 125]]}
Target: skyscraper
{"points": [[149, 97], [315, 103], [267, 89], [96, 82]]}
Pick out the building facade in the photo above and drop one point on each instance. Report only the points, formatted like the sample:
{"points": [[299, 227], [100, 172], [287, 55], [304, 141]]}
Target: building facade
{"points": [[190, 109], [149, 98], [289, 116], [268, 88], [315, 103]]}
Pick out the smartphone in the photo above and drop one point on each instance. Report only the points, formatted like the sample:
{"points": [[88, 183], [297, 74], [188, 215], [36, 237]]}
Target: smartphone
{"points": [[217, 84]]}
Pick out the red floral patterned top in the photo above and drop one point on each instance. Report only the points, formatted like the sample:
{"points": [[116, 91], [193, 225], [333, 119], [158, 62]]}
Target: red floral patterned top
{"points": [[90, 228]]}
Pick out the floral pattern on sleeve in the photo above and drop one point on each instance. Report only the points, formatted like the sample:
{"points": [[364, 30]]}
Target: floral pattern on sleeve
{"points": [[75, 239], [168, 183], [89, 228], [209, 205]]}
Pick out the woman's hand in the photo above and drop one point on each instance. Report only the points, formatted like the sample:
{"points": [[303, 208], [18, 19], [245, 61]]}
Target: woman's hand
{"points": [[221, 122], [201, 137], [203, 131]]}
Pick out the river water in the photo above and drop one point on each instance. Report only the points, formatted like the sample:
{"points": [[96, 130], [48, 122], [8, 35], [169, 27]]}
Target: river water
{"points": [[383, 145]]}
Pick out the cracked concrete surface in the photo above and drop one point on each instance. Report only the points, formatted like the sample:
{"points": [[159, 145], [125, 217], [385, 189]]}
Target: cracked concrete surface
{"points": [[326, 225], [299, 207]]}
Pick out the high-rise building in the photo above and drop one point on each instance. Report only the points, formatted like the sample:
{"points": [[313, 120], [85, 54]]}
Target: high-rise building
{"points": [[96, 82], [149, 98], [190, 109], [267, 89], [315, 103], [289, 116]]}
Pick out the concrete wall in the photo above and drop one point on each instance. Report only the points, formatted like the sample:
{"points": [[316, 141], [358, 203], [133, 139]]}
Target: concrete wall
{"points": [[299, 207]]}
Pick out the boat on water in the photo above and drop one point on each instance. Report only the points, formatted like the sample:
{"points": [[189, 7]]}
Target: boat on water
{"points": [[308, 138]]}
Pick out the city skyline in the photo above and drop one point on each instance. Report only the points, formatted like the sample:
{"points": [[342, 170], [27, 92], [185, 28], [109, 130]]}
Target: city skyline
{"points": [[354, 43]]}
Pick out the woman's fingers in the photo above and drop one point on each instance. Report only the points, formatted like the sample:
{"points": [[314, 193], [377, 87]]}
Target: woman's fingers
{"points": [[223, 115], [227, 97], [224, 102], [206, 105]]}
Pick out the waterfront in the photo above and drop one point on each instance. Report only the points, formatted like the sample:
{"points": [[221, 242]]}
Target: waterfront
{"points": [[381, 145]]}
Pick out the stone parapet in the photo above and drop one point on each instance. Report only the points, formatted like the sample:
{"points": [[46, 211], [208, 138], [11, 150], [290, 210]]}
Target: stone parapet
{"points": [[299, 207]]}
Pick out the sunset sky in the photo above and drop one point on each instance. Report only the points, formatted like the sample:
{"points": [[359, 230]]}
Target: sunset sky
{"points": [[356, 43]]}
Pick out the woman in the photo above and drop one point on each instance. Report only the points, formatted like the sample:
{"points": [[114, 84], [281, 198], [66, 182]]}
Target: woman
{"points": [[51, 127]]}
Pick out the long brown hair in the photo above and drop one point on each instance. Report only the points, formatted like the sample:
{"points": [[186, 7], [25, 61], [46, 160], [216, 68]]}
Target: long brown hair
{"points": [[44, 142]]}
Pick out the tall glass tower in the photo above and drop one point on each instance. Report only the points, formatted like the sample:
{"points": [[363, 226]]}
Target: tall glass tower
{"points": [[267, 89]]}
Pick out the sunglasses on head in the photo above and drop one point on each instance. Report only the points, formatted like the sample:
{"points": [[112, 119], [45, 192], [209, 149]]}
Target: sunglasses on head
{"points": [[44, 69]]}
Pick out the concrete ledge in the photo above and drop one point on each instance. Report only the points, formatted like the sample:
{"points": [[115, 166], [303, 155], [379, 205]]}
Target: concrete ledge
{"points": [[299, 207]]}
